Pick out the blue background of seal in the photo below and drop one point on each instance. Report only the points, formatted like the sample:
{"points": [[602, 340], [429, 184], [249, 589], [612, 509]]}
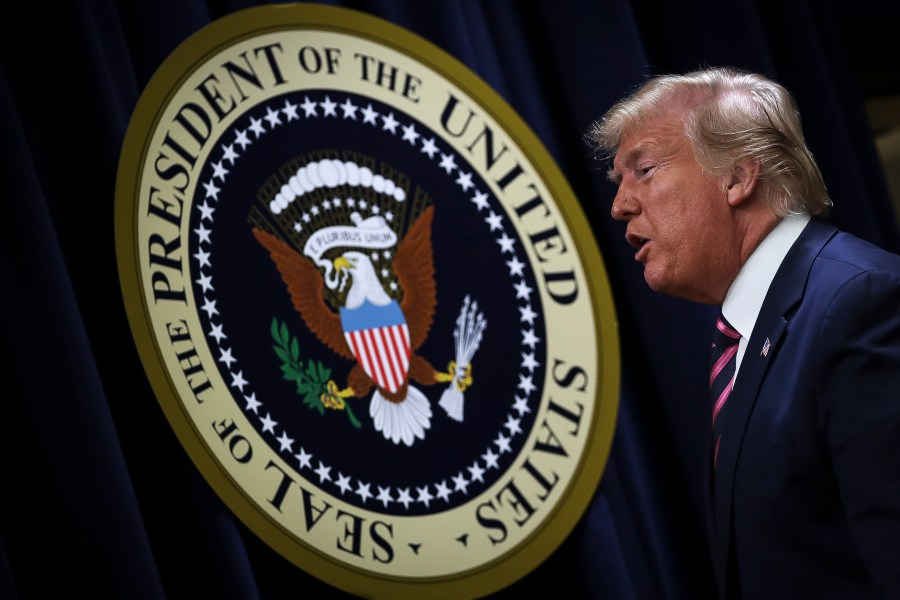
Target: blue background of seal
{"points": [[467, 260]]}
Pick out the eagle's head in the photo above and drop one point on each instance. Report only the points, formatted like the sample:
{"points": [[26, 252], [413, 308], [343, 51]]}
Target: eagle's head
{"points": [[364, 282]]}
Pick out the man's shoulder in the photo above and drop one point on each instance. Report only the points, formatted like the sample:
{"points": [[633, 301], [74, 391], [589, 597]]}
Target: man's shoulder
{"points": [[849, 275], [828, 270], [852, 255], [852, 284]]}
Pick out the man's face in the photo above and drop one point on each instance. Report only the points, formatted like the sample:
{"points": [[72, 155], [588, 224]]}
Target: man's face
{"points": [[678, 216]]}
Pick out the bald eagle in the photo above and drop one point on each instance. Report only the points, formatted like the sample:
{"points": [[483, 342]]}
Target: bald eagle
{"points": [[381, 334]]}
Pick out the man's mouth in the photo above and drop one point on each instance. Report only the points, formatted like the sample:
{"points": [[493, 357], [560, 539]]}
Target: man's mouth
{"points": [[636, 241]]}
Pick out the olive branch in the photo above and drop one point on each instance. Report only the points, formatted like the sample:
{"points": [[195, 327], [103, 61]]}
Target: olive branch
{"points": [[313, 381]]}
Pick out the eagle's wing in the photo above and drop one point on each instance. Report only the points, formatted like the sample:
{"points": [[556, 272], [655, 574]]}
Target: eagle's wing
{"points": [[305, 285], [414, 266]]}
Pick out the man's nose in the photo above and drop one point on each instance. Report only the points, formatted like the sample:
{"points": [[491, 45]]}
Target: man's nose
{"points": [[625, 206]]}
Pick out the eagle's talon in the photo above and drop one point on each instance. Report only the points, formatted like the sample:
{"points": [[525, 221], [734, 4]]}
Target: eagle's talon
{"points": [[333, 398], [461, 376]]}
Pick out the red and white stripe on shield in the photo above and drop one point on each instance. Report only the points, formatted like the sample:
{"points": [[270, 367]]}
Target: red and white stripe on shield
{"points": [[383, 353]]}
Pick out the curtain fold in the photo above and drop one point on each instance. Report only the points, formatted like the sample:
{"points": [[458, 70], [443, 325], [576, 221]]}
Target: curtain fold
{"points": [[68, 495]]}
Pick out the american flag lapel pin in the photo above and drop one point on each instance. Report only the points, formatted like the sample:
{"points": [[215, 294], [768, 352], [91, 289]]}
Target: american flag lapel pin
{"points": [[765, 348]]}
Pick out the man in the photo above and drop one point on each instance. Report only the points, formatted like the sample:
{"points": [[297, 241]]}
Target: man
{"points": [[722, 201]]}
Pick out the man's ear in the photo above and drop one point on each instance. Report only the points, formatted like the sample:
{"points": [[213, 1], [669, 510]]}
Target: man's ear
{"points": [[744, 176]]}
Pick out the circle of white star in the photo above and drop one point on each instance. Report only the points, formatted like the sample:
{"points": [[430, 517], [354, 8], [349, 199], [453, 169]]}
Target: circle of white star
{"points": [[266, 121]]}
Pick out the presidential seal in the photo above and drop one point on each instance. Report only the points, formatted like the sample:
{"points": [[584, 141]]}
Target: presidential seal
{"points": [[368, 302]]}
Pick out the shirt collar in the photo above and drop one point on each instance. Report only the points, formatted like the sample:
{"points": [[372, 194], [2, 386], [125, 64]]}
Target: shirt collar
{"points": [[745, 297]]}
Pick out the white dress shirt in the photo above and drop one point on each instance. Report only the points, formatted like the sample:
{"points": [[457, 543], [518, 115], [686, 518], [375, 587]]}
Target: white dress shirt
{"points": [[747, 292]]}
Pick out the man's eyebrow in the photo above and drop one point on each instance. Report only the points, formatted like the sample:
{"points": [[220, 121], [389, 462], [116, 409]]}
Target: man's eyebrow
{"points": [[626, 158], [614, 175], [632, 154]]}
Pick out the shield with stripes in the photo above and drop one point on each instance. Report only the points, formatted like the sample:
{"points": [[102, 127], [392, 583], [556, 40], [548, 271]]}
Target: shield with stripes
{"points": [[379, 340]]}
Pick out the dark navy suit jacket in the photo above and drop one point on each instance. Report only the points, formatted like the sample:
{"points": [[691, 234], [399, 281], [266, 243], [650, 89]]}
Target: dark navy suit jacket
{"points": [[806, 494]]}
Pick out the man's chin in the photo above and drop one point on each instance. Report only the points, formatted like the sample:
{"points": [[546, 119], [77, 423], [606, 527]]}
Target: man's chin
{"points": [[658, 282], [655, 280]]}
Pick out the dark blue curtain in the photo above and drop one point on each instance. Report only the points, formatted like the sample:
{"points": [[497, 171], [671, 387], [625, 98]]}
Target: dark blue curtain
{"points": [[99, 500]]}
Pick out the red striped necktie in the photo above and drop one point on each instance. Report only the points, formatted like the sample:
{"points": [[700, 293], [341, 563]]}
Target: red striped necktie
{"points": [[721, 375]]}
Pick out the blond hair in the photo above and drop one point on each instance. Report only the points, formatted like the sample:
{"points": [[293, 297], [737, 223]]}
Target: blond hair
{"points": [[732, 116]]}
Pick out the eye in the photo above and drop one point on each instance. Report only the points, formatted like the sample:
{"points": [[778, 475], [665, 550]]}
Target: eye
{"points": [[645, 170]]}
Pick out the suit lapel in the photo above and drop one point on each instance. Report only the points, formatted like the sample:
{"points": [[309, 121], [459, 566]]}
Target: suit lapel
{"points": [[785, 292]]}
